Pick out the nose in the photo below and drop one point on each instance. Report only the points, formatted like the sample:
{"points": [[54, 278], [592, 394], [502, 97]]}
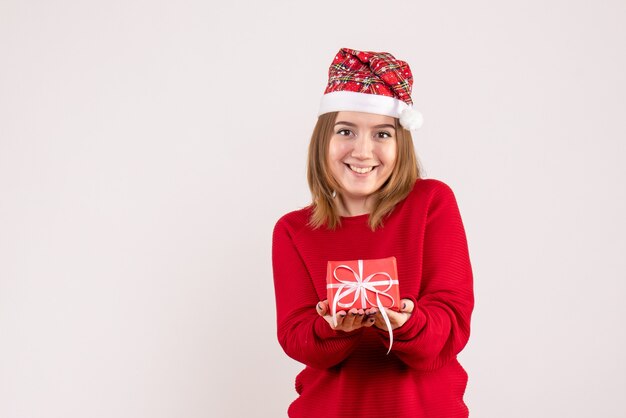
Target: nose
{"points": [[363, 147]]}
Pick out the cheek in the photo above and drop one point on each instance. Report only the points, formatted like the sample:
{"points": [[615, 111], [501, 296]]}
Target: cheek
{"points": [[389, 155], [336, 151]]}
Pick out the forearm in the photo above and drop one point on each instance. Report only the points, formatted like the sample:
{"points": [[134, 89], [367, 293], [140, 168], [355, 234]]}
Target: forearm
{"points": [[309, 339], [439, 326], [433, 335], [304, 335]]}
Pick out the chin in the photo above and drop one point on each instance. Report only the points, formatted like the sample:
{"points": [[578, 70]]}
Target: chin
{"points": [[360, 192]]}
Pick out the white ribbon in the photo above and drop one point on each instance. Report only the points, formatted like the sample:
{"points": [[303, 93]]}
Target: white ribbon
{"points": [[360, 287]]}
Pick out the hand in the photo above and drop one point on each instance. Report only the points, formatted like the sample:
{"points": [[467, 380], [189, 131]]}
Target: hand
{"points": [[397, 319], [346, 321]]}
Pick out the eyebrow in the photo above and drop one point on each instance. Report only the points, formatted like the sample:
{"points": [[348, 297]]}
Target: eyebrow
{"points": [[384, 125]]}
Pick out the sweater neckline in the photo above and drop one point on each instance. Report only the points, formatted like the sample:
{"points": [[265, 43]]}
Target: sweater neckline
{"points": [[355, 218]]}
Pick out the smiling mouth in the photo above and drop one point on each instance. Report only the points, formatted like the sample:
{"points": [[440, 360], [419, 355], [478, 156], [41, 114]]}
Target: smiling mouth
{"points": [[360, 170]]}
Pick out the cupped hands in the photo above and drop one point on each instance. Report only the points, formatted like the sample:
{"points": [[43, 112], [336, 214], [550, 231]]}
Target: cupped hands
{"points": [[358, 318]]}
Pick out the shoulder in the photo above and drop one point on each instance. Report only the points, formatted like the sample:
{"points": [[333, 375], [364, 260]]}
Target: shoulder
{"points": [[437, 202], [428, 189], [293, 222], [430, 196]]}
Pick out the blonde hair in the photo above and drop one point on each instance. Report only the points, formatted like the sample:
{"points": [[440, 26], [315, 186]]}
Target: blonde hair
{"points": [[322, 183]]}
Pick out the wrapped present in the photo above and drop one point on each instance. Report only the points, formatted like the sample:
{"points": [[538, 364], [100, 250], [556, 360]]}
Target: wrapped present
{"points": [[363, 284]]}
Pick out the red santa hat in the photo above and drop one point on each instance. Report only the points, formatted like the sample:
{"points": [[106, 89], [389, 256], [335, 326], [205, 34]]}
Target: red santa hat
{"points": [[372, 82]]}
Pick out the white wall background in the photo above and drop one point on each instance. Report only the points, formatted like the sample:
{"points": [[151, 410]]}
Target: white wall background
{"points": [[147, 148]]}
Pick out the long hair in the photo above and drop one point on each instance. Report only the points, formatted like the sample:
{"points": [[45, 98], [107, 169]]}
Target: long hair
{"points": [[322, 183]]}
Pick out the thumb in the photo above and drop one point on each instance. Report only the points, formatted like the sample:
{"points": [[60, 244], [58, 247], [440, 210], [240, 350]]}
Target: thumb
{"points": [[322, 307], [407, 306]]}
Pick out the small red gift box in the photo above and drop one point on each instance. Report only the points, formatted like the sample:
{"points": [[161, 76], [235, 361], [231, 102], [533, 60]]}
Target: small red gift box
{"points": [[363, 284]]}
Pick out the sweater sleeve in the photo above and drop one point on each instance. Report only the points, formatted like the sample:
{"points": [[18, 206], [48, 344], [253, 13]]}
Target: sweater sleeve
{"points": [[302, 333], [439, 327]]}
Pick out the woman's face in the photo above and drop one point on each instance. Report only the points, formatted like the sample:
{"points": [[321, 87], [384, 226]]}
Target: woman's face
{"points": [[362, 153]]}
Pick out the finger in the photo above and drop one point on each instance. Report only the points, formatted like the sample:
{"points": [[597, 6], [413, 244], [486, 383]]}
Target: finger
{"points": [[372, 318], [322, 308], [359, 319], [341, 316], [379, 321], [368, 321], [319, 309], [325, 306], [371, 311], [407, 305], [348, 321]]}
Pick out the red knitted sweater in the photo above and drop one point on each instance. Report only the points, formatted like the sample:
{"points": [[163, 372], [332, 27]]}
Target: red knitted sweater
{"points": [[349, 374]]}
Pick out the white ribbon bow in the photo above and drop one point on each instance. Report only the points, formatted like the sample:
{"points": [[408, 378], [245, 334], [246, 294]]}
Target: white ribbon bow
{"points": [[360, 287]]}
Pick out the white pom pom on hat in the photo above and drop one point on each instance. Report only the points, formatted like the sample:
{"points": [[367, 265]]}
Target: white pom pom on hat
{"points": [[372, 82], [411, 119]]}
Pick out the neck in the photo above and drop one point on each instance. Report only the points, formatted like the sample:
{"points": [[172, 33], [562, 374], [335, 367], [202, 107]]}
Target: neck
{"points": [[353, 207]]}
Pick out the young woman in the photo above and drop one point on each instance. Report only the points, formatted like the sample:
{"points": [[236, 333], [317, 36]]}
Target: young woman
{"points": [[369, 202]]}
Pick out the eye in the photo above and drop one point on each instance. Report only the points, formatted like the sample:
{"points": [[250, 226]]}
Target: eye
{"points": [[344, 132], [383, 135]]}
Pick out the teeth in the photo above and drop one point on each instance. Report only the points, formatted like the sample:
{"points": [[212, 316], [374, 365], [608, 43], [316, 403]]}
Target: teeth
{"points": [[361, 170]]}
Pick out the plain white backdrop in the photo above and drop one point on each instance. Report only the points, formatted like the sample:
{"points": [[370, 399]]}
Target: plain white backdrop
{"points": [[147, 149]]}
